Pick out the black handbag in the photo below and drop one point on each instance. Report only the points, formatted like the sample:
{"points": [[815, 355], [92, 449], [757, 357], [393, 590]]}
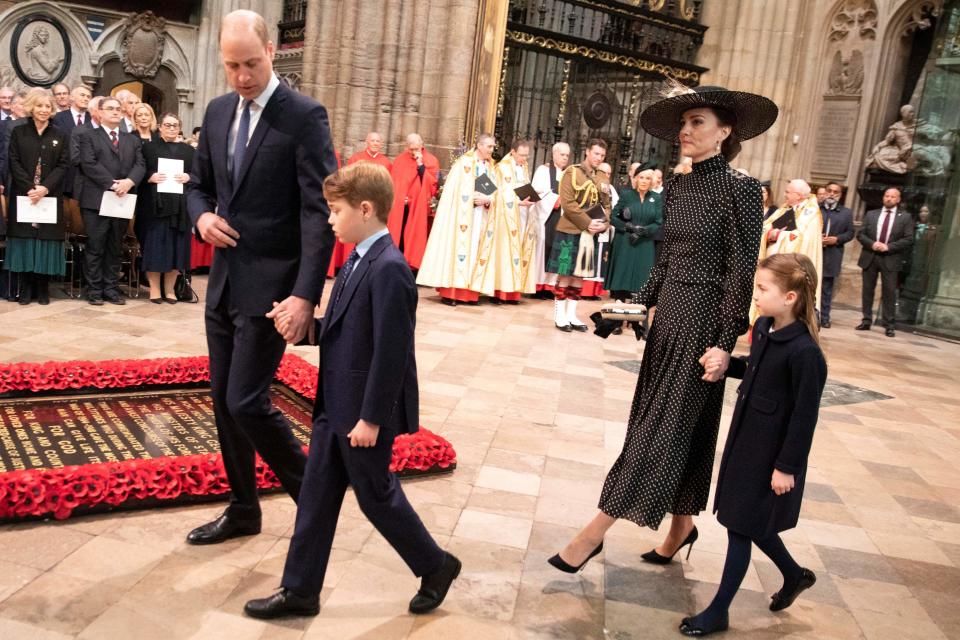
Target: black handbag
{"points": [[182, 289]]}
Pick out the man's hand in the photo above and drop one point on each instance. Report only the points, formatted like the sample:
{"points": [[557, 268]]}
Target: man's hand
{"points": [[781, 482], [122, 187], [715, 362], [292, 317], [216, 231], [526, 202], [364, 434], [829, 241], [480, 200], [418, 156], [880, 247], [597, 226], [772, 235]]}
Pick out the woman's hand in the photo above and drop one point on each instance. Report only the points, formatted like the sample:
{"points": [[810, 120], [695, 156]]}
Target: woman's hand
{"points": [[182, 178], [37, 193], [715, 362], [781, 482], [157, 178]]}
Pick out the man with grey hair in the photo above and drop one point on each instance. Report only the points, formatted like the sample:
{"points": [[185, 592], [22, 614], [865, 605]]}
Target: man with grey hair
{"points": [[796, 227], [546, 182], [6, 103], [415, 174], [128, 101], [450, 257]]}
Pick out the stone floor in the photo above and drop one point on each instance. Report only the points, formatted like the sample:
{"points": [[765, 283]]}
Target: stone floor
{"points": [[536, 416]]}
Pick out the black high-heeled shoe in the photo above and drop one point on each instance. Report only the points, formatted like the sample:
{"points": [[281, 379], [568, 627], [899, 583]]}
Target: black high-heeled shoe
{"points": [[655, 558], [688, 628], [558, 563]]}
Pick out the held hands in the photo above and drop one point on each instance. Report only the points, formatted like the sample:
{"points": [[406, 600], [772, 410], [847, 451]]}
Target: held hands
{"points": [[714, 362], [37, 193], [364, 434], [216, 231], [122, 187], [781, 482], [292, 318]]}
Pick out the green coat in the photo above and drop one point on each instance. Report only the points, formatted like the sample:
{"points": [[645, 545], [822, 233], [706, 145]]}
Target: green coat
{"points": [[629, 265]]}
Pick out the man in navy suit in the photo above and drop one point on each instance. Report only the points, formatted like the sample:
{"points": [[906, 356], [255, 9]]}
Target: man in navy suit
{"points": [[886, 236], [109, 160], [837, 231], [366, 396], [256, 194], [67, 120]]}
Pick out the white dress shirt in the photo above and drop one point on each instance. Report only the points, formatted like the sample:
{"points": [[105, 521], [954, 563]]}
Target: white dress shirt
{"points": [[256, 108], [883, 220]]}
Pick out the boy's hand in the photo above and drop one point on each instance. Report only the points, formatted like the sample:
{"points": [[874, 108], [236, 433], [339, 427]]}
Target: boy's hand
{"points": [[781, 482], [364, 434]]}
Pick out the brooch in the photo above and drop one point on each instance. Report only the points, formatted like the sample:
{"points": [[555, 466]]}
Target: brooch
{"points": [[55, 142]]}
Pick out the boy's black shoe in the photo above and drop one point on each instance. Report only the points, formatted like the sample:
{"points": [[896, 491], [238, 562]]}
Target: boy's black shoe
{"points": [[282, 604], [434, 587]]}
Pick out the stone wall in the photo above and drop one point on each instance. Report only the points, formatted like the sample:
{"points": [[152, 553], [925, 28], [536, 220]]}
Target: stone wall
{"points": [[394, 66]]}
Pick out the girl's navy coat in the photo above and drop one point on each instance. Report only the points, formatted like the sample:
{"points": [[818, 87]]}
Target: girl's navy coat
{"points": [[777, 407]]}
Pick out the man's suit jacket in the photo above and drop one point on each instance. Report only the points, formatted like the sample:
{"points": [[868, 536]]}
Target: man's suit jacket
{"points": [[277, 206], [65, 122], [367, 368], [840, 222], [101, 164], [899, 241]]}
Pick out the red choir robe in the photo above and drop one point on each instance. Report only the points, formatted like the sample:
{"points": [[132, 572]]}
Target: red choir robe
{"points": [[364, 156], [409, 189]]}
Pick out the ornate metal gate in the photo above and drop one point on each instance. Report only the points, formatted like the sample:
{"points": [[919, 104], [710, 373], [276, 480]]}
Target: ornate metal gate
{"points": [[580, 69]]}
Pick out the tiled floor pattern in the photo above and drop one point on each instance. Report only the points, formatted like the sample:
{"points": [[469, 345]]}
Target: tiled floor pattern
{"points": [[535, 415]]}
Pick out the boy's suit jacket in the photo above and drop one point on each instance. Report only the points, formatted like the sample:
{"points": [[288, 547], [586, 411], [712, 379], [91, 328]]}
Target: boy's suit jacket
{"points": [[367, 365]]}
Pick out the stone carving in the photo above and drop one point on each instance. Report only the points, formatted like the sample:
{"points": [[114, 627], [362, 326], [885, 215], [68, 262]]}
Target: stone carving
{"points": [[40, 50], [855, 14], [846, 74], [932, 147], [920, 17], [141, 49], [893, 153]]}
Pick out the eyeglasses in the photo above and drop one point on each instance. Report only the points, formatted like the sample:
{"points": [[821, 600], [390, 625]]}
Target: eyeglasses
{"points": [[170, 125]]}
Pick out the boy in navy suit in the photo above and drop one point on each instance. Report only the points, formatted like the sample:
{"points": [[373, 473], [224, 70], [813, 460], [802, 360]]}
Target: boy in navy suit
{"points": [[366, 395]]}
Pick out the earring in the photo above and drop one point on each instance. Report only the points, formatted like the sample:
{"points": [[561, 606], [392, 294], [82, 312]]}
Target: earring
{"points": [[718, 146]]}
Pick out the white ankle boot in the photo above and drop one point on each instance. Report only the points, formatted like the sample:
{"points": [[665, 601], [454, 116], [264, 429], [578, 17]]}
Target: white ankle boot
{"points": [[560, 316], [572, 316]]}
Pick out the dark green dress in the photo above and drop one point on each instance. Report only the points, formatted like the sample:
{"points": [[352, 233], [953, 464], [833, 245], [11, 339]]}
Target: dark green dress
{"points": [[630, 265]]}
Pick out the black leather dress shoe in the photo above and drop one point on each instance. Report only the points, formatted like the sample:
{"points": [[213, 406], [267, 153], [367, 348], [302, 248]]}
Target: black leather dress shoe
{"points": [[784, 598], [434, 587], [891, 333], [115, 298], [283, 603], [223, 528], [825, 324], [863, 326], [96, 301]]}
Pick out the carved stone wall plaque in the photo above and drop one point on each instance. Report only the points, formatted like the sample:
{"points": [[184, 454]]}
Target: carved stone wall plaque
{"points": [[40, 50], [141, 48], [834, 140], [846, 74]]}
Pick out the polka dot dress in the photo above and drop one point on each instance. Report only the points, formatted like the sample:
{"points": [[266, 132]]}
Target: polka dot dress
{"points": [[701, 288]]}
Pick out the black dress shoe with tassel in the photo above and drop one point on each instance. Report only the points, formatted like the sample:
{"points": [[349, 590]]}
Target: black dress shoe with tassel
{"points": [[655, 558], [558, 563]]}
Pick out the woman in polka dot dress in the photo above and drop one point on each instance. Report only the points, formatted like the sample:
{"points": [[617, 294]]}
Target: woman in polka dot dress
{"points": [[701, 288]]}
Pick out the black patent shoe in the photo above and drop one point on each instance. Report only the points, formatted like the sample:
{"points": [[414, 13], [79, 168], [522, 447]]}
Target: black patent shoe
{"points": [[558, 563], [222, 529], [783, 598], [689, 628], [566, 328], [655, 558], [434, 587], [863, 326], [284, 603], [578, 327], [891, 333]]}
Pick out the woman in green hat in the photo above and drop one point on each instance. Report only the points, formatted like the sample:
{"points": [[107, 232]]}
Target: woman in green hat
{"points": [[636, 218]]}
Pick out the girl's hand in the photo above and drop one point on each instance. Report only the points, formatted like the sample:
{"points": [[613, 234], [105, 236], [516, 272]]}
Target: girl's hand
{"points": [[715, 362], [781, 482]]}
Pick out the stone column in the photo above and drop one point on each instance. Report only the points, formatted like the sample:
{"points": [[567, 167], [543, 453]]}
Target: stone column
{"points": [[210, 79], [395, 66]]}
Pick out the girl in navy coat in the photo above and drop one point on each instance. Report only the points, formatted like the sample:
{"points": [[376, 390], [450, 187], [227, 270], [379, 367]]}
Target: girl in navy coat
{"points": [[764, 464]]}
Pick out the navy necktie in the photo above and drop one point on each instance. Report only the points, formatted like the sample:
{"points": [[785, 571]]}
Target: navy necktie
{"points": [[240, 146], [344, 275]]}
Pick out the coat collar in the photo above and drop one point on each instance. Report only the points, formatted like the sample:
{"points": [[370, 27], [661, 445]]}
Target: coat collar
{"points": [[786, 334]]}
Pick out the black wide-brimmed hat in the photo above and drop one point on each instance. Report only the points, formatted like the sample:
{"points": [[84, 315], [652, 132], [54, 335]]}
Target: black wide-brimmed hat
{"points": [[754, 113]]}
